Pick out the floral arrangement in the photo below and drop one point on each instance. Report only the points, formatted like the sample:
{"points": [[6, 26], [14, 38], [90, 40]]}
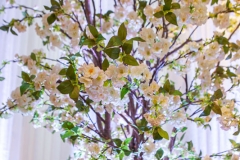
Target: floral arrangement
{"points": [[110, 94]]}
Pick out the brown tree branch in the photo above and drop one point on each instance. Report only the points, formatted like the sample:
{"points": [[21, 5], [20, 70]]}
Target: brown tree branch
{"points": [[88, 12]]}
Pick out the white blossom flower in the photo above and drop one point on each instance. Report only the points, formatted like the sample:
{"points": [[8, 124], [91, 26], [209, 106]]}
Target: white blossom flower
{"points": [[86, 81]]}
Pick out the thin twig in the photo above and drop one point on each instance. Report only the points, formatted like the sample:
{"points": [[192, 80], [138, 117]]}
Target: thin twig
{"points": [[115, 3], [55, 60], [123, 131], [234, 31], [88, 12], [26, 7], [94, 13], [175, 40], [100, 15], [76, 17], [63, 32]]}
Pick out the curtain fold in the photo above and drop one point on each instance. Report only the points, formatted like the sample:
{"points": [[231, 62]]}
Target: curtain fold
{"points": [[19, 140]]}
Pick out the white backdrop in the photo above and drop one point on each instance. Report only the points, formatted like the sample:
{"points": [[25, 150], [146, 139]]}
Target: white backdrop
{"points": [[20, 141]]}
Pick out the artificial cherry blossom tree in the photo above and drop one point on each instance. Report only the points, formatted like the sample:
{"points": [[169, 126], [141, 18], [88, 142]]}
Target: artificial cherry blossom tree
{"points": [[110, 93]]}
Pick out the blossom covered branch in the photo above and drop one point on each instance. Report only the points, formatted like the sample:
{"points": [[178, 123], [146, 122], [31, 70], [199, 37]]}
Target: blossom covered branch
{"points": [[110, 89]]}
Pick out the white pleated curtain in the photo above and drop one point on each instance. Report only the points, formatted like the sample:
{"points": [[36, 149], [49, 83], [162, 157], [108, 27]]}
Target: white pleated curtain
{"points": [[20, 141]]}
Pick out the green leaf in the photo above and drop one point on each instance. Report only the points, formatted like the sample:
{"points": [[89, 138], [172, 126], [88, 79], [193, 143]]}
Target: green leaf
{"points": [[108, 12], [71, 73], [167, 5], [25, 13], [163, 133], [222, 40], [99, 38], [139, 39], [93, 31], [216, 109], [217, 94], [67, 125], [234, 144], [65, 87], [61, 2], [88, 101], [183, 129], [23, 88], [37, 94], [127, 141], [81, 108], [53, 2], [112, 52], [105, 64], [142, 5], [228, 4], [79, 104], [67, 134], [168, 2], [76, 130], [171, 18], [75, 93], [118, 142], [82, 39], [78, 54], [237, 132], [65, 58], [2, 78], [4, 28], [159, 14], [127, 46], [121, 155], [156, 135], [33, 56], [32, 77], [122, 32], [219, 70], [159, 154], [229, 56], [142, 125], [214, 1], [73, 140], [168, 87], [114, 41], [52, 18], [105, 16], [175, 6], [225, 49], [230, 74], [126, 152], [107, 83], [13, 32], [130, 60], [89, 42], [234, 46], [26, 77], [183, 135], [35, 116], [190, 145], [63, 71], [207, 126], [177, 93], [206, 111], [124, 91], [47, 8]]}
